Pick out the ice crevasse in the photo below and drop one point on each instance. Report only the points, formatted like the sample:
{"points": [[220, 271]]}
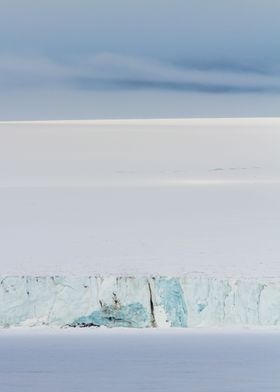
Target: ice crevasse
{"points": [[140, 301]]}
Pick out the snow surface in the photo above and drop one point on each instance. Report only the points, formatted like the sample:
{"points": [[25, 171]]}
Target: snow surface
{"points": [[129, 360], [164, 197]]}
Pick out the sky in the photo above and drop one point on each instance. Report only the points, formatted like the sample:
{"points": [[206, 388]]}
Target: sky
{"points": [[121, 59]]}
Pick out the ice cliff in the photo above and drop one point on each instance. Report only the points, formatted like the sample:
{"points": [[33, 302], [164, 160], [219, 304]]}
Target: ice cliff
{"points": [[187, 301]]}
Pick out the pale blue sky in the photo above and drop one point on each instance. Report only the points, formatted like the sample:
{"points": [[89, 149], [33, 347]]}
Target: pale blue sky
{"points": [[167, 58]]}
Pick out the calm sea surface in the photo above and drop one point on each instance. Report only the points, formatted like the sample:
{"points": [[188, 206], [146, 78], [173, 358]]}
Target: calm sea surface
{"points": [[133, 360]]}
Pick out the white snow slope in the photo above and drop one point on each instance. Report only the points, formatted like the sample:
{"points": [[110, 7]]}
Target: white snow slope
{"points": [[165, 197]]}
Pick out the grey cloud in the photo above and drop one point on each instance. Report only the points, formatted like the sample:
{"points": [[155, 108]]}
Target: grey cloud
{"points": [[115, 72], [93, 84], [229, 65]]}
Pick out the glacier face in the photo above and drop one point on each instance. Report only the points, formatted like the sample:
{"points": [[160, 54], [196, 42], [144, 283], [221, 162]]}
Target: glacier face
{"points": [[187, 301]]}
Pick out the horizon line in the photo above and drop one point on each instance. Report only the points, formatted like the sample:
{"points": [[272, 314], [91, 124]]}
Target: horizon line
{"points": [[128, 121]]}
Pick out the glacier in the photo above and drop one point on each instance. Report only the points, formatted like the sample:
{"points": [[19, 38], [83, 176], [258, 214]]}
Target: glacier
{"points": [[138, 301]]}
